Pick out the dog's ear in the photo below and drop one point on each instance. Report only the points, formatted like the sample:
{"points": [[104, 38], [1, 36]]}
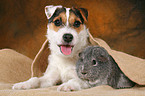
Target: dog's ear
{"points": [[84, 13], [49, 10]]}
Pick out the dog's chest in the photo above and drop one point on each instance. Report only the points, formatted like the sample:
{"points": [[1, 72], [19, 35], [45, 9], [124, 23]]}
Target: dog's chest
{"points": [[65, 66]]}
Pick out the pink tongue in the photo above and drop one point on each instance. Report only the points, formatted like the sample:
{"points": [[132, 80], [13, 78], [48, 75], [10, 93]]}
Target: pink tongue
{"points": [[66, 50]]}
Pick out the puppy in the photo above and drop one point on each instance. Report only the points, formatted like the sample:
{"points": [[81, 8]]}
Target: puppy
{"points": [[67, 35]]}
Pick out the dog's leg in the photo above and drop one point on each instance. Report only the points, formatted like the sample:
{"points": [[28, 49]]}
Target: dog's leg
{"points": [[73, 85], [29, 84], [50, 78]]}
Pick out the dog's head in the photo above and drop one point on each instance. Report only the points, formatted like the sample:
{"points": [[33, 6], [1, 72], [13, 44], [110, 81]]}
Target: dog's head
{"points": [[67, 32]]}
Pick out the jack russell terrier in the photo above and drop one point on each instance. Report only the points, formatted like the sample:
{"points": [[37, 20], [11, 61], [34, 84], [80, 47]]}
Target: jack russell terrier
{"points": [[67, 35]]}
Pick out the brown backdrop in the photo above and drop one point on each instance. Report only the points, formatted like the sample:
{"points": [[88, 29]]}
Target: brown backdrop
{"points": [[121, 23]]}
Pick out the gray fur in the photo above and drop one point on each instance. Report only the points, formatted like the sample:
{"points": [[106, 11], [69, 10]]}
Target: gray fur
{"points": [[97, 67]]}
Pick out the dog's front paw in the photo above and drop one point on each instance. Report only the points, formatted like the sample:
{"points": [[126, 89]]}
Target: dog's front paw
{"points": [[46, 84], [31, 83], [68, 87]]}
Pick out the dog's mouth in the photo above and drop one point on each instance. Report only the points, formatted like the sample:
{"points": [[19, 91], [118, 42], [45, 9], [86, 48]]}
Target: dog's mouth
{"points": [[66, 49]]}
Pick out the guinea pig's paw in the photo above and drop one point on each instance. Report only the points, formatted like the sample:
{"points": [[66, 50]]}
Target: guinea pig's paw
{"points": [[31, 83], [66, 87]]}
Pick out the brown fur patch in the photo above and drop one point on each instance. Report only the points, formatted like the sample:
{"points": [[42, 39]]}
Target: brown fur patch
{"points": [[72, 19], [52, 26]]}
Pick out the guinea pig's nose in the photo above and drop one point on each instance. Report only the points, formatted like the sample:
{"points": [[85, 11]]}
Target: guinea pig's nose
{"points": [[83, 73]]}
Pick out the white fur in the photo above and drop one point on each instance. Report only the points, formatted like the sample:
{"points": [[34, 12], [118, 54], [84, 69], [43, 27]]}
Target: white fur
{"points": [[61, 67], [31, 83], [67, 14], [49, 10]]}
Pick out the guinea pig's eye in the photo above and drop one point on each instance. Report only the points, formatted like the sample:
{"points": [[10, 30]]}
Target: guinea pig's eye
{"points": [[94, 63], [58, 22]]}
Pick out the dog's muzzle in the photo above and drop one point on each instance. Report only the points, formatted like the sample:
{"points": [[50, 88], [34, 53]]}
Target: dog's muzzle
{"points": [[66, 48]]}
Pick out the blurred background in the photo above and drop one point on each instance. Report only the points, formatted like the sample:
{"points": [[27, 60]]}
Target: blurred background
{"points": [[121, 23]]}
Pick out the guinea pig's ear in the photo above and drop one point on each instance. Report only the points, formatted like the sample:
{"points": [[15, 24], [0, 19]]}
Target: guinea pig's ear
{"points": [[102, 59], [49, 10]]}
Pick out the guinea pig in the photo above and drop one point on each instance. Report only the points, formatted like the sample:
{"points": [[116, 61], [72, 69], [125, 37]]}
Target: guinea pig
{"points": [[97, 67]]}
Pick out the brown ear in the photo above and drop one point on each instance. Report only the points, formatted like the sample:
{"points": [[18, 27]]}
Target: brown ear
{"points": [[40, 61], [84, 13]]}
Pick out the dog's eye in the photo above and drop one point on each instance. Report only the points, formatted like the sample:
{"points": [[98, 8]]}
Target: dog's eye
{"points": [[77, 24], [58, 22]]}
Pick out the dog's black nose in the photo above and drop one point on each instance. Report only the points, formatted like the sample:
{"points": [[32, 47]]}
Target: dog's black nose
{"points": [[67, 37]]}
